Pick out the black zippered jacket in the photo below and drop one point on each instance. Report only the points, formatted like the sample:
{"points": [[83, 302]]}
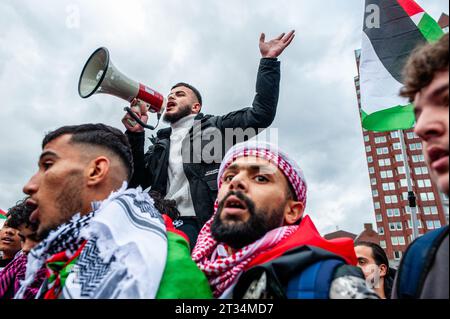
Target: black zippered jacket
{"points": [[151, 169]]}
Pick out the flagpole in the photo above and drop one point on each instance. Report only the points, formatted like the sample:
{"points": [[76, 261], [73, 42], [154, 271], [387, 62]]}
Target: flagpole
{"points": [[411, 196]]}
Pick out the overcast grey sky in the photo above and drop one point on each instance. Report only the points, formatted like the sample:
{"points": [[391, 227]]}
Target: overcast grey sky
{"points": [[212, 44]]}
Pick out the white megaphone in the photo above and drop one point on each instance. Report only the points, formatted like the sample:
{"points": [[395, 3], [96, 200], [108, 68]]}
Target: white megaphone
{"points": [[101, 76]]}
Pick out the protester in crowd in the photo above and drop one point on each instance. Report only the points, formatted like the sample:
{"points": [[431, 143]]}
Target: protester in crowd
{"points": [[12, 275], [424, 270], [259, 244], [101, 240], [374, 263], [175, 165], [9, 244]]}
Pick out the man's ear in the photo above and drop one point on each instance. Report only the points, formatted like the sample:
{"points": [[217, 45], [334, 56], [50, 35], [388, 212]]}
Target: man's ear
{"points": [[196, 108], [383, 270], [97, 170], [294, 211]]}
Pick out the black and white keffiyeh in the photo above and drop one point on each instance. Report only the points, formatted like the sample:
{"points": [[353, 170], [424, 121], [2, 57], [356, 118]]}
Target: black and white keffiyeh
{"points": [[125, 254]]}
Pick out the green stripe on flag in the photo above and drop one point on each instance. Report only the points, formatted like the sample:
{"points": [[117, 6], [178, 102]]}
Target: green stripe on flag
{"points": [[395, 118], [430, 29], [182, 278]]}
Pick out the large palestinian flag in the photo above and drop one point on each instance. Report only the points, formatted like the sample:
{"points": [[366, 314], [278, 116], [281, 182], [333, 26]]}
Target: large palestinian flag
{"points": [[392, 30]]}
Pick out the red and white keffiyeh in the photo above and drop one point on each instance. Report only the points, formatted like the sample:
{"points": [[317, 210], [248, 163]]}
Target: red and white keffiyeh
{"points": [[222, 271]]}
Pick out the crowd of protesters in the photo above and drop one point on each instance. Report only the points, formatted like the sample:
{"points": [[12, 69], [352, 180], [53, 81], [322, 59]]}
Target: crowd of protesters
{"points": [[235, 227]]}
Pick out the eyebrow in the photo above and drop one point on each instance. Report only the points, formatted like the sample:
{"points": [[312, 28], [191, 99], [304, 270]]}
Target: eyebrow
{"points": [[48, 153], [176, 92], [440, 90]]}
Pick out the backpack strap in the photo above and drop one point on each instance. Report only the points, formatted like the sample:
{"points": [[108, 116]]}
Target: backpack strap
{"points": [[417, 262], [315, 281]]}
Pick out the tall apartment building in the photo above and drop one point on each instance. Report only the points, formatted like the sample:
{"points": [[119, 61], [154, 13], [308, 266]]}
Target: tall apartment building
{"points": [[389, 186]]}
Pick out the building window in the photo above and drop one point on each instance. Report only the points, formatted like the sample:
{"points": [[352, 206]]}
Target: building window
{"points": [[418, 158], [377, 205], [397, 146], [421, 170], [384, 162], [430, 224], [371, 170], [373, 181], [368, 149], [380, 140], [437, 224], [382, 151], [411, 136], [383, 244], [399, 226], [392, 227], [427, 197], [395, 134], [370, 159], [393, 199], [387, 174], [366, 138], [434, 210], [390, 213], [381, 230], [379, 218], [415, 147], [375, 193], [401, 170], [394, 241], [399, 158], [405, 196], [389, 187], [397, 255]]}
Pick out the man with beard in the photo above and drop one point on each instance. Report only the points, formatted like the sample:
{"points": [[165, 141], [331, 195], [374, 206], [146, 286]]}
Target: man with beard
{"points": [[100, 240], [178, 164], [259, 244], [424, 271]]}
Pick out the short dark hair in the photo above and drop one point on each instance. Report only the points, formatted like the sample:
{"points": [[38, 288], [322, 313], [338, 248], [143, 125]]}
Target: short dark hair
{"points": [[423, 65], [196, 92], [99, 135], [20, 215]]}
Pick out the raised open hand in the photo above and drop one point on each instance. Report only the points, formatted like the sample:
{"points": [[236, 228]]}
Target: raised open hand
{"points": [[275, 47]]}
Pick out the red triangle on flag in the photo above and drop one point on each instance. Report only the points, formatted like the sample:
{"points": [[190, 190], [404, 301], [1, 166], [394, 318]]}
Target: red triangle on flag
{"points": [[411, 7]]}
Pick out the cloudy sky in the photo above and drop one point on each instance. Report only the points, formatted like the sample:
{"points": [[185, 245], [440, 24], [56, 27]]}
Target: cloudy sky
{"points": [[212, 44]]}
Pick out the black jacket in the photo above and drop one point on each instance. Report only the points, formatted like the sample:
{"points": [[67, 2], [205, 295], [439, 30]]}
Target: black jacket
{"points": [[151, 169]]}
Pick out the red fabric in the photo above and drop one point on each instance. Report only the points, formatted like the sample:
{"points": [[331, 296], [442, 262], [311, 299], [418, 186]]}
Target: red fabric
{"points": [[170, 228], [307, 234], [2, 213], [411, 7]]}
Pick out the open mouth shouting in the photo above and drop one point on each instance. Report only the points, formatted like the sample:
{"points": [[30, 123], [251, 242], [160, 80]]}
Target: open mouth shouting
{"points": [[34, 208], [438, 159], [170, 106], [234, 208]]}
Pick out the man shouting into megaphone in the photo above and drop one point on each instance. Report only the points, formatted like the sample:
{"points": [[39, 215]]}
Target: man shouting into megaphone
{"points": [[179, 164]]}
